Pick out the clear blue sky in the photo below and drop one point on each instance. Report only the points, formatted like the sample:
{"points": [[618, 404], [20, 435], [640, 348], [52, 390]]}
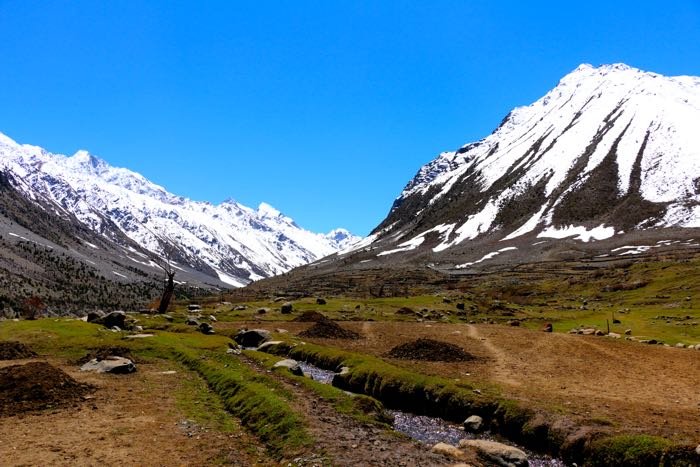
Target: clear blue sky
{"points": [[324, 109]]}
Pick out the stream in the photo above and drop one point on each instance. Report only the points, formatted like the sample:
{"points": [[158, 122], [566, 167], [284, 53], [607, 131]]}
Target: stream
{"points": [[431, 430]]}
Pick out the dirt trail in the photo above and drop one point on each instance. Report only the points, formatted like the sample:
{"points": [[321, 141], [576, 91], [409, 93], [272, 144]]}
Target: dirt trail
{"points": [[502, 364], [344, 441], [130, 420]]}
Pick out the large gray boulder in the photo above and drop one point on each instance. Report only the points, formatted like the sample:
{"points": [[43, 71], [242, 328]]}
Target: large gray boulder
{"points": [[251, 337], [115, 318], [114, 365], [498, 453]]}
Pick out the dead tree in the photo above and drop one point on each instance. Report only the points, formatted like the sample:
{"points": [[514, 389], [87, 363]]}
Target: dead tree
{"points": [[169, 281]]}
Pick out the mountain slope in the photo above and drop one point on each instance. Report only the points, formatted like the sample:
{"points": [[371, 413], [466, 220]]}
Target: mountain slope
{"points": [[609, 152], [231, 243]]}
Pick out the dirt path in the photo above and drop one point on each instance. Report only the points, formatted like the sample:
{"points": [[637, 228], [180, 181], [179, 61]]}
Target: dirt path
{"points": [[344, 441], [502, 366], [129, 420]]}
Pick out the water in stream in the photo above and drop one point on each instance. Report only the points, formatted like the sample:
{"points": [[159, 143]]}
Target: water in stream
{"points": [[429, 430]]}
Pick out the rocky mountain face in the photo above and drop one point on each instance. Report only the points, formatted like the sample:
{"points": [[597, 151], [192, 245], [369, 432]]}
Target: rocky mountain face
{"points": [[120, 222], [610, 154]]}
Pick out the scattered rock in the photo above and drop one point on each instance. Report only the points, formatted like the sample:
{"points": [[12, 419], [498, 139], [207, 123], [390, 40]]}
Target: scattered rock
{"points": [[252, 337], [680, 345], [404, 310], [291, 365], [697, 347], [206, 328], [598, 332], [93, 316], [192, 322], [614, 335], [239, 307], [514, 322], [37, 386], [499, 453], [628, 332], [212, 318], [320, 301], [10, 350], [262, 311], [193, 307], [286, 308], [430, 350], [448, 450], [587, 331], [111, 364], [548, 327], [474, 424], [460, 306]]}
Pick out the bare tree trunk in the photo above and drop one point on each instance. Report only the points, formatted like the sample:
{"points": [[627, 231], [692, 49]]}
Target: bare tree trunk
{"points": [[167, 293]]}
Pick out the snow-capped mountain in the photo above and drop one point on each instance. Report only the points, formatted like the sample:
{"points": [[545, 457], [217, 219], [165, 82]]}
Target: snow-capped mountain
{"points": [[610, 149], [231, 242]]}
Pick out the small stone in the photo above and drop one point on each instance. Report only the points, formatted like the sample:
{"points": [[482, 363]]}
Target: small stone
{"points": [[291, 365], [212, 318], [548, 327], [320, 301], [614, 335], [628, 332], [680, 345], [474, 424], [286, 308]]}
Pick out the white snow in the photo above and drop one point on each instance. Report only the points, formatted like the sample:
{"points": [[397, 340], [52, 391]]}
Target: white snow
{"points": [[581, 233], [120, 275], [486, 257]]}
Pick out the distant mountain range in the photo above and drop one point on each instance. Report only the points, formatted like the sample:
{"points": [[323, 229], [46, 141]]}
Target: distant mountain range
{"points": [[605, 164], [89, 208]]}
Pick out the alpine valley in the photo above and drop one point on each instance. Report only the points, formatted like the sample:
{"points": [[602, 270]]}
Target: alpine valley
{"points": [[69, 224]]}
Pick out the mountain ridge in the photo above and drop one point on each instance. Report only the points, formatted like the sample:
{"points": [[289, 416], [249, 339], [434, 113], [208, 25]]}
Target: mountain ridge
{"points": [[237, 243]]}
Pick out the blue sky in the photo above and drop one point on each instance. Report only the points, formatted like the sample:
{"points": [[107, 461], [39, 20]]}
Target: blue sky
{"points": [[322, 109]]}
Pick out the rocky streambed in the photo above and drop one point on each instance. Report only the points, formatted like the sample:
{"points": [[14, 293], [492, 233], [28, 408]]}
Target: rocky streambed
{"points": [[431, 430]]}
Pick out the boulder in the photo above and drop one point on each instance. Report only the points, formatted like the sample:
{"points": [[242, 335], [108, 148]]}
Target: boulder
{"points": [[680, 345], [291, 365], [697, 347], [614, 335], [499, 453], [93, 316], [548, 327], [205, 328], [286, 308], [252, 337], [628, 332], [192, 322], [115, 365], [320, 301], [115, 318], [474, 424], [448, 450], [262, 311], [598, 332]]}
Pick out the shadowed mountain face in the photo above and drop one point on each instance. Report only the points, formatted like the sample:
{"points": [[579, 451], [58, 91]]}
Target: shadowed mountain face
{"points": [[608, 159], [82, 200]]}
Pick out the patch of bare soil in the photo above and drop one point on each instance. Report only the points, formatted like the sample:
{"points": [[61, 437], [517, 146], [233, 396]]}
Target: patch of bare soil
{"points": [[37, 386], [310, 317], [100, 353], [10, 350], [430, 350], [327, 329], [343, 441], [134, 420]]}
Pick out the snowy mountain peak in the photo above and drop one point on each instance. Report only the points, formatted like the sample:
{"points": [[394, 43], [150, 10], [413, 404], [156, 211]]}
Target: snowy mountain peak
{"points": [[612, 146], [230, 242]]}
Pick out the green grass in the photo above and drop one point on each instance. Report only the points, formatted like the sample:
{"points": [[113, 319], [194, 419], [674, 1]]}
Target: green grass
{"points": [[360, 407]]}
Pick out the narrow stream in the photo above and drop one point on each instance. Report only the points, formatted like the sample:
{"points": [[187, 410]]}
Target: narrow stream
{"points": [[431, 430]]}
